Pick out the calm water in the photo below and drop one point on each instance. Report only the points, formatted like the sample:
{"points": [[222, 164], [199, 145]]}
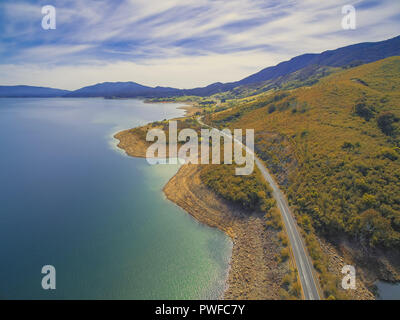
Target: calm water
{"points": [[388, 291], [69, 198]]}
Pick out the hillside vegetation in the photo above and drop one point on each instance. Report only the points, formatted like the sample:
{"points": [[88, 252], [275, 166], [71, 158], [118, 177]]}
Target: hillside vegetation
{"points": [[251, 192], [335, 146]]}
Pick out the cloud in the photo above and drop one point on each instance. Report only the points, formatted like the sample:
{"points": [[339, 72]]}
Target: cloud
{"points": [[180, 43], [164, 72], [50, 52]]}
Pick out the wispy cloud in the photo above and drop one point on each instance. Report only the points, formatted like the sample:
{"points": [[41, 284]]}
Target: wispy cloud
{"points": [[182, 43]]}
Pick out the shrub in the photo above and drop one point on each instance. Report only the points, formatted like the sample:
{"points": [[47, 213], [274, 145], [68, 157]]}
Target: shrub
{"points": [[385, 122], [388, 153], [284, 254], [251, 192], [274, 220], [374, 228], [364, 111], [369, 200], [347, 146], [271, 108]]}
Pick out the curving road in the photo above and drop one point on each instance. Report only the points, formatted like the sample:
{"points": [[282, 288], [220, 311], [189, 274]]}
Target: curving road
{"points": [[303, 263]]}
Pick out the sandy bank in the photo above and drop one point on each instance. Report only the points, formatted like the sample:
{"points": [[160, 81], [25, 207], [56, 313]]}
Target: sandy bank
{"points": [[131, 144]]}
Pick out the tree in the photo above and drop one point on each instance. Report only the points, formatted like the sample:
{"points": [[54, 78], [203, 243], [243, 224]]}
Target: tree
{"points": [[364, 111], [385, 122], [375, 228], [271, 108], [347, 145]]}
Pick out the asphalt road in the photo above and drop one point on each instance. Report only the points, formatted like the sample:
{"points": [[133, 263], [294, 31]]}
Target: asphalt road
{"points": [[303, 263]]}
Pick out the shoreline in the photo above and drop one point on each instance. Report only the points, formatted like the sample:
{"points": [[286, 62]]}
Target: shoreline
{"points": [[190, 107], [253, 271], [190, 110]]}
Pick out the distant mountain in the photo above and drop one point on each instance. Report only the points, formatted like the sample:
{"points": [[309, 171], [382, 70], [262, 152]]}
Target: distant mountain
{"points": [[353, 55], [122, 90], [208, 90], [304, 77], [30, 91], [349, 56]]}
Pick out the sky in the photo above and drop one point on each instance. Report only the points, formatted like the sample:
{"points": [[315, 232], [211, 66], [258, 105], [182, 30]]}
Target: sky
{"points": [[176, 43]]}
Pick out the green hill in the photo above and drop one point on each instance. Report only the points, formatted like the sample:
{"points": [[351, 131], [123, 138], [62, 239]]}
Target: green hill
{"points": [[335, 149]]}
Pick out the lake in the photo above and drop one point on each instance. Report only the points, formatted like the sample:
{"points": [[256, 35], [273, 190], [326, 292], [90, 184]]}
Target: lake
{"points": [[70, 198], [388, 291]]}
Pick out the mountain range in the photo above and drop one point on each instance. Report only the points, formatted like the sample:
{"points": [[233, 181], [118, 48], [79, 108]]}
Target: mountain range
{"points": [[30, 91], [345, 57]]}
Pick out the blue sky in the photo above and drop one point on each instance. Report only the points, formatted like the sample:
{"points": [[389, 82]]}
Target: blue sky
{"points": [[185, 43]]}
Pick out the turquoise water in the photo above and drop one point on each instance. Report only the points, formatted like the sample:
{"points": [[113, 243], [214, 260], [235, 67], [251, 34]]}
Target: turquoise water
{"points": [[70, 198]]}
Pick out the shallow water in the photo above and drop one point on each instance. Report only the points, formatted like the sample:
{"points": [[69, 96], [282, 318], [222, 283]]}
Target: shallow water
{"points": [[70, 198]]}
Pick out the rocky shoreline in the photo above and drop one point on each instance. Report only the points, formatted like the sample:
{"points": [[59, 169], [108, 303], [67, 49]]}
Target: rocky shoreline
{"points": [[255, 272]]}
